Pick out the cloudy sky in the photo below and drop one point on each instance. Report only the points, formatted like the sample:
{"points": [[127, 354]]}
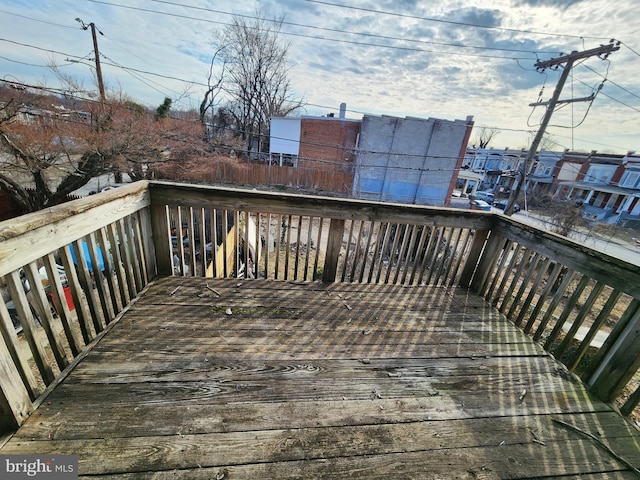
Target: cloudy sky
{"points": [[439, 58]]}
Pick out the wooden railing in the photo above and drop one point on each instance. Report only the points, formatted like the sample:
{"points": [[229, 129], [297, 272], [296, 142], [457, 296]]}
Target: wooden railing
{"points": [[581, 304], [66, 273]]}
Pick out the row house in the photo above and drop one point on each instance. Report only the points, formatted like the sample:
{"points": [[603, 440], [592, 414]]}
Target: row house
{"points": [[391, 159], [608, 186], [489, 169]]}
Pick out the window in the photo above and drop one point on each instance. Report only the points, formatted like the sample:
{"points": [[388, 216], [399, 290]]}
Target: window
{"points": [[600, 174], [544, 169], [630, 179]]}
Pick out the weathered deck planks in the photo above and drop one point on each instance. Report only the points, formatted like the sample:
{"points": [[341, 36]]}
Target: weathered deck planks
{"points": [[309, 380]]}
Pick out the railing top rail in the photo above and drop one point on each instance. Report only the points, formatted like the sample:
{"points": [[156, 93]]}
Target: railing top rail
{"points": [[174, 194], [609, 270], [31, 236]]}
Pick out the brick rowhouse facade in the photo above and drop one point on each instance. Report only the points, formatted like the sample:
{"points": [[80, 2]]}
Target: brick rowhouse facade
{"points": [[328, 143]]}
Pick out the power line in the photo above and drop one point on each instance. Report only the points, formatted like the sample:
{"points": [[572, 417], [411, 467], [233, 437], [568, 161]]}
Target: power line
{"points": [[451, 22], [37, 20], [300, 35], [342, 31]]}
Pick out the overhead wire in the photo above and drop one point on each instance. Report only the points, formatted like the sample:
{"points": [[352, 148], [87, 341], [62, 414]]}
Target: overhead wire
{"points": [[349, 32], [339, 163], [308, 36], [450, 22]]}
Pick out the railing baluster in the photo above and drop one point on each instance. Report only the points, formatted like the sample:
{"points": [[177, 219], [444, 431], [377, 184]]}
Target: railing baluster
{"points": [[570, 305], [445, 255], [308, 253], [279, 237], [365, 252], [603, 316], [436, 253], [110, 271], [419, 249], [43, 310], [267, 244], [287, 248], [20, 365], [500, 271], [426, 254], [316, 259], [126, 246], [452, 247], [357, 253], [555, 301], [525, 283], [460, 254], [402, 253], [298, 239], [16, 389], [579, 320], [214, 243], [533, 289], [62, 308], [79, 299], [525, 260], [375, 259], [511, 251], [383, 250], [86, 282], [258, 247], [394, 249], [16, 289], [542, 298], [97, 265], [632, 402]]}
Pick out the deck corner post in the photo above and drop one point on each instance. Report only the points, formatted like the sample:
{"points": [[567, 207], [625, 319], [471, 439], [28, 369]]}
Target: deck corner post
{"points": [[471, 262], [161, 239], [487, 261], [619, 364], [15, 404], [334, 245]]}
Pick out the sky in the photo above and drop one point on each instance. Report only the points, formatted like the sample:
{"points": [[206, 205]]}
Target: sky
{"points": [[447, 59]]}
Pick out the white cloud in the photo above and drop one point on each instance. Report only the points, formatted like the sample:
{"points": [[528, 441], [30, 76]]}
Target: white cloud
{"points": [[424, 79]]}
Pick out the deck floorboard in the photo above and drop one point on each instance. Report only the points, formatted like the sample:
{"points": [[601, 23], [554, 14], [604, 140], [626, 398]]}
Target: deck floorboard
{"points": [[206, 378]]}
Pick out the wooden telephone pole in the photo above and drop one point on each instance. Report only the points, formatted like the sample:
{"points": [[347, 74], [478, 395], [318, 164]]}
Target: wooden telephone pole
{"points": [[97, 54], [603, 52]]}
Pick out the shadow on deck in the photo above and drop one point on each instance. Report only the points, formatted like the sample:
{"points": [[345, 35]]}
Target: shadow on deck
{"points": [[225, 378]]}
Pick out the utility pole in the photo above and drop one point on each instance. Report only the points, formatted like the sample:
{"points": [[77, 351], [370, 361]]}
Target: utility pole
{"points": [[603, 52], [97, 54]]}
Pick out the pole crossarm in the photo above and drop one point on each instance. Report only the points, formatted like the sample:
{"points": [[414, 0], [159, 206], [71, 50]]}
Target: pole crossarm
{"points": [[603, 52], [573, 56], [573, 100]]}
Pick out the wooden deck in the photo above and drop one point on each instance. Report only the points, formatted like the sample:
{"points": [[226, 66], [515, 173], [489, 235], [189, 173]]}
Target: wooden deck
{"points": [[226, 379]]}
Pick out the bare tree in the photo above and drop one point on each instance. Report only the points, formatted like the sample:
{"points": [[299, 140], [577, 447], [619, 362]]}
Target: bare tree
{"points": [[485, 135], [214, 89], [257, 76], [50, 147]]}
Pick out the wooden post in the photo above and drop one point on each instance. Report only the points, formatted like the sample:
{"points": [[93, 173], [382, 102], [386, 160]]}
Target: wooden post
{"points": [[334, 245], [487, 262], [620, 362], [162, 239], [15, 404], [479, 239]]}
